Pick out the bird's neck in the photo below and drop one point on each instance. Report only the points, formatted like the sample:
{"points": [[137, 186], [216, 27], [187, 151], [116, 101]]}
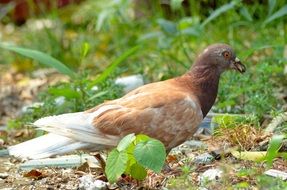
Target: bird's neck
{"points": [[203, 81]]}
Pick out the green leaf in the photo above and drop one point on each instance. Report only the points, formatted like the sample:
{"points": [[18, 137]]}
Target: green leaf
{"points": [[43, 58], [114, 65], [85, 49], [99, 94], [167, 26], [141, 138], [126, 141], [66, 92], [131, 161], [102, 17], [176, 4], [274, 146], [150, 154], [138, 172], [219, 11], [276, 15], [271, 6], [149, 36], [116, 164], [191, 31], [245, 13]]}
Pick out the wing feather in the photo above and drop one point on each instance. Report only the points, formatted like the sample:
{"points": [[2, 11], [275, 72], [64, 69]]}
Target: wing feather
{"points": [[169, 117]]}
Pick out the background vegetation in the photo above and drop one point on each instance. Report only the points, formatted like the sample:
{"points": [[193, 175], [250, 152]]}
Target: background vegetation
{"points": [[101, 40], [169, 42]]}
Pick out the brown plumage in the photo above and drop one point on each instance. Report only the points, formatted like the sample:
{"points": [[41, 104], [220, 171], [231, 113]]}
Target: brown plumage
{"points": [[169, 110]]}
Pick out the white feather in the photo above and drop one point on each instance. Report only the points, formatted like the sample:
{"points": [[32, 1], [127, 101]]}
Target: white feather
{"points": [[39, 145], [68, 132]]}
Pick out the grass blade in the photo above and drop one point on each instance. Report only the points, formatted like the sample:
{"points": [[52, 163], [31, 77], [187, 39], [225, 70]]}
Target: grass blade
{"points": [[219, 11], [271, 6], [41, 57], [278, 14], [245, 13], [114, 65], [274, 146]]}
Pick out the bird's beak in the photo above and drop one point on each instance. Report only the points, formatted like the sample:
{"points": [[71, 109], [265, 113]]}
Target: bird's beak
{"points": [[237, 65]]}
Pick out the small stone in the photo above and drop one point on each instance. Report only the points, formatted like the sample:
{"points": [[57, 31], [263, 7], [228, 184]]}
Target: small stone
{"points": [[276, 173], [87, 182], [99, 184], [210, 175], [188, 146], [130, 82], [3, 175], [194, 144], [205, 158]]}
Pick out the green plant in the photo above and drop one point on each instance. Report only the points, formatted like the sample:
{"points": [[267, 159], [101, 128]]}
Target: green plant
{"points": [[133, 155], [250, 97], [278, 14], [73, 96], [267, 182], [273, 148], [41, 57], [78, 93]]}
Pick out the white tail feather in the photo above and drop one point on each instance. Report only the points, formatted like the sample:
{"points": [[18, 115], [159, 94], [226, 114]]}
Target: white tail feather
{"points": [[39, 145], [68, 132]]}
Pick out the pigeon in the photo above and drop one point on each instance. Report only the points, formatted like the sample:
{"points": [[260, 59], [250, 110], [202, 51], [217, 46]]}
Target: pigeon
{"points": [[169, 111]]}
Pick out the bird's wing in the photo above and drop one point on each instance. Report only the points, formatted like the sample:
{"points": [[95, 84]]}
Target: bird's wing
{"points": [[161, 111]]}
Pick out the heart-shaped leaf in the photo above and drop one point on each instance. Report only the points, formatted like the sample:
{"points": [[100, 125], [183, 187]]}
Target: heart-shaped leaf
{"points": [[151, 154], [126, 141], [116, 164]]}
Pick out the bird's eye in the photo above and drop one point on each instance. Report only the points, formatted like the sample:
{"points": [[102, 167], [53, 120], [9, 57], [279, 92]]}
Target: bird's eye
{"points": [[226, 54]]}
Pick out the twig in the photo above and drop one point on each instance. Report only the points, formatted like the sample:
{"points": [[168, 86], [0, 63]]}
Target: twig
{"points": [[100, 160]]}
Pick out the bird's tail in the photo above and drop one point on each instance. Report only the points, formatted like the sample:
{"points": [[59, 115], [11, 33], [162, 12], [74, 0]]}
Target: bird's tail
{"points": [[67, 132], [46, 146]]}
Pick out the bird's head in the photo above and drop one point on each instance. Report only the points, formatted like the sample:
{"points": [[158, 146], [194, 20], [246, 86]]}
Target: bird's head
{"points": [[222, 57]]}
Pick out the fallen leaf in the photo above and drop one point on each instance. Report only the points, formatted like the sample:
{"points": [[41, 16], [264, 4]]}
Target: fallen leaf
{"points": [[171, 158], [84, 167], [35, 174]]}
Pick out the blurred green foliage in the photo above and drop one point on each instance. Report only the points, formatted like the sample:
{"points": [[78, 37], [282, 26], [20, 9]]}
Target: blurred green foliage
{"points": [[170, 41], [68, 97], [104, 39]]}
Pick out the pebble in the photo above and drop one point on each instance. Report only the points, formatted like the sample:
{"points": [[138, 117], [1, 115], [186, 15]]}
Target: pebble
{"points": [[276, 173], [189, 146], [194, 144], [3, 175], [87, 182], [210, 175], [130, 82], [205, 158]]}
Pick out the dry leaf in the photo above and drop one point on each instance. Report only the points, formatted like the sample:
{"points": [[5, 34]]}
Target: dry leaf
{"points": [[35, 174]]}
